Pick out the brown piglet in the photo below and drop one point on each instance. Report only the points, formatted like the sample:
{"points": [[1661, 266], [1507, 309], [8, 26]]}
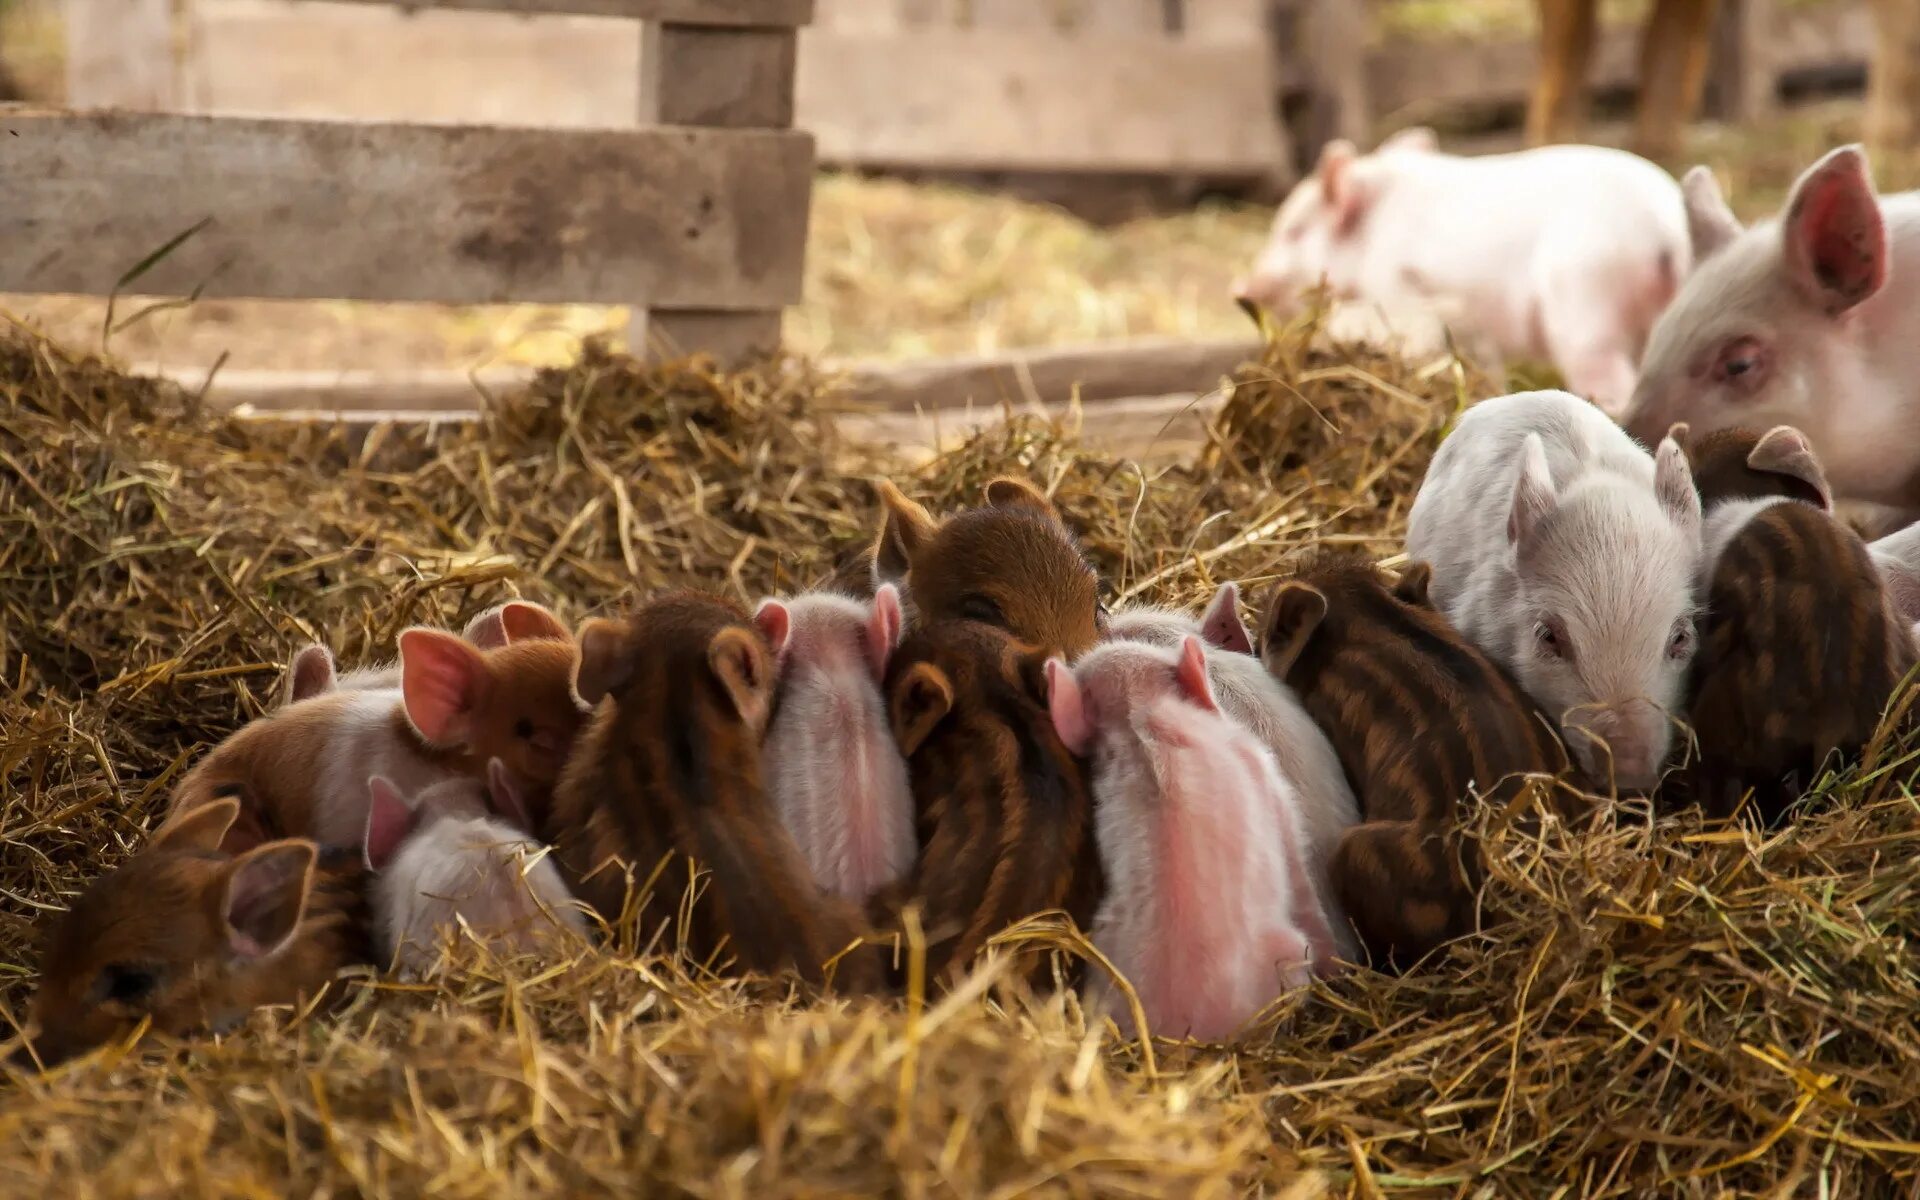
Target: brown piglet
{"points": [[1011, 563], [1750, 464], [194, 939], [1421, 720], [1003, 809], [314, 673], [667, 775]]}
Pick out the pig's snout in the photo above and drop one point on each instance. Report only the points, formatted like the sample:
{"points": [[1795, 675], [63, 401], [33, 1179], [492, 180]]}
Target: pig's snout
{"points": [[1624, 743]]}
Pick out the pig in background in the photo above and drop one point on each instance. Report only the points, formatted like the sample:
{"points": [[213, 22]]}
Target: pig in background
{"points": [[1811, 319], [1576, 572], [1564, 253], [1211, 908]]}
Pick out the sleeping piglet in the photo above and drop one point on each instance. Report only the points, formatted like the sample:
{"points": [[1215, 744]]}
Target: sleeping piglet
{"points": [[1569, 555], [314, 673], [456, 857], [834, 772], [1211, 909]]}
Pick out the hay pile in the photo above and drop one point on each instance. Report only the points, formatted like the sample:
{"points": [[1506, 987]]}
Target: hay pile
{"points": [[1663, 1008]]}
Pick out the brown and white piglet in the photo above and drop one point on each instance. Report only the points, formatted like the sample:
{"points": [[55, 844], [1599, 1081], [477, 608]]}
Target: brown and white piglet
{"points": [[834, 772], [1002, 807], [1010, 563], [1211, 907], [1422, 721], [668, 776], [313, 671], [194, 939]]}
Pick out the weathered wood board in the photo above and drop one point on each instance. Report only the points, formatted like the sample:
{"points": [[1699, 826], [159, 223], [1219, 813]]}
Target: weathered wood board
{"points": [[782, 13], [672, 217]]}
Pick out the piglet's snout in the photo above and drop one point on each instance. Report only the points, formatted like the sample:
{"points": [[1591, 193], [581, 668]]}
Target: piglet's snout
{"points": [[1624, 744]]}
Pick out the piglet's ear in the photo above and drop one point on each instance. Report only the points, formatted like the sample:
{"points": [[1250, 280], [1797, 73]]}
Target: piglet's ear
{"points": [[1834, 236], [883, 628], [505, 798], [1191, 673], [740, 662], [202, 827], [1534, 498], [310, 674], [605, 661], [1784, 450], [488, 629], [903, 531], [443, 681], [390, 819], [921, 698], [775, 621], [525, 621], [1067, 704], [1011, 492], [266, 897], [1414, 584], [1221, 624], [1673, 484], [1295, 611], [1710, 223]]}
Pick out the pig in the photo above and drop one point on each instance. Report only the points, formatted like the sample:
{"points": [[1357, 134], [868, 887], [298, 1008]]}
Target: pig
{"points": [[301, 770], [1811, 319], [1422, 721], [1576, 571], [1249, 693], [834, 773], [1211, 910], [1010, 563], [1002, 809], [1748, 464], [456, 857], [194, 939], [670, 767], [1566, 253], [313, 673], [1897, 556]]}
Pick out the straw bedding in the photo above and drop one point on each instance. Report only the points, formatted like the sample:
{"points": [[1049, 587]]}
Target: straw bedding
{"points": [[1657, 1007]]}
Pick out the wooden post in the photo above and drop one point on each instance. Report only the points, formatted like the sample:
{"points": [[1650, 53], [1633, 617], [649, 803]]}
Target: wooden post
{"points": [[1742, 73], [120, 55], [1557, 110], [1328, 54], [726, 78], [1893, 78], [1673, 73]]}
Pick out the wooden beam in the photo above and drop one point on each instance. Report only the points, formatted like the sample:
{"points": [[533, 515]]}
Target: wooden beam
{"points": [[730, 13], [451, 214], [120, 54], [1411, 78], [724, 78], [1154, 366]]}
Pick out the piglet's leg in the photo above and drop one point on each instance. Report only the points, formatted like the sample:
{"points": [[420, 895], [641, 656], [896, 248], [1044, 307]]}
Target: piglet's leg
{"points": [[1403, 885]]}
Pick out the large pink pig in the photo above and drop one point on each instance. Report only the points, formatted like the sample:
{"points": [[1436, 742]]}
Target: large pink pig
{"points": [[1565, 253]]}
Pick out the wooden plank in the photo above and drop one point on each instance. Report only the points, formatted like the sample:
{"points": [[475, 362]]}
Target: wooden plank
{"points": [[729, 337], [984, 100], [1828, 35], [295, 209], [1068, 16], [716, 77], [1225, 20], [120, 53], [1152, 366], [734, 13], [1422, 76]]}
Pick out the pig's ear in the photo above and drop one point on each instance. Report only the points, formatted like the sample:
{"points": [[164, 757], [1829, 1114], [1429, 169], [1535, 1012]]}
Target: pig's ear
{"points": [[1191, 673], [443, 681], [1673, 484], [525, 621], [1415, 584], [1011, 492], [1221, 624], [920, 701], [310, 674], [505, 798], [605, 663], [883, 628], [488, 629], [739, 660], [1418, 139], [1295, 611], [1533, 496], [203, 827], [266, 897], [903, 531], [775, 621], [1682, 433], [1336, 157], [1835, 238], [1710, 223], [1345, 190], [1784, 450], [389, 820], [1067, 705]]}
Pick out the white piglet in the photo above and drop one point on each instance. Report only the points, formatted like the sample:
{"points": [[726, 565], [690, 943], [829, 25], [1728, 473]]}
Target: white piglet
{"points": [[453, 856], [1567, 253], [1210, 909], [834, 771], [1569, 554]]}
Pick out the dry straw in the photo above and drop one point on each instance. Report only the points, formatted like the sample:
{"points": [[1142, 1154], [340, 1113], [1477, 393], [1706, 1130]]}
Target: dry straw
{"points": [[1656, 1007]]}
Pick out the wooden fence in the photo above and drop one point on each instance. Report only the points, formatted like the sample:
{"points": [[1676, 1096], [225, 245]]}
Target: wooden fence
{"points": [[698, 219]]}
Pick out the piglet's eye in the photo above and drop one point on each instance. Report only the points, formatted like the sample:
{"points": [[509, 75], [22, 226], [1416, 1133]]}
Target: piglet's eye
{"points": [[523, 729], [1552, 640], [982, 608], [127, 983]]}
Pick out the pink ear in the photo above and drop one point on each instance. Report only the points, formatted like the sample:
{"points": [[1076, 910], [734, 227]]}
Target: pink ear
{"points": [[504, 796], [487, 630], [443, 679], [1222, 626], [1191, 674], [883, 628], [389, 820], [1068, 706], [1836, 239], [525, 621], [776, 622], [312, 674]]}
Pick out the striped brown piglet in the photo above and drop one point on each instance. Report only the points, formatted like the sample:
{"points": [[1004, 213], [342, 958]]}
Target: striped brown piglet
{"points": [[1003, 811], [1422, 721], [193, 938], [669, 778]]}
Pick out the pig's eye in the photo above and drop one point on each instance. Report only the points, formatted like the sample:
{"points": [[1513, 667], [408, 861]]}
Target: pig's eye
{"points": [[523, 729], [1680, 641], [1553, 640], [983, 609], [1741, 361], [126, 983]]}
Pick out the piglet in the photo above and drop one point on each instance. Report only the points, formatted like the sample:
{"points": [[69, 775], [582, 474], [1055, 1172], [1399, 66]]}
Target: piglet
{"points": [[1421, 721], [834, 773], [313, 672], [1211, 909], [668, 778], [1568, 554], [193, 939], [1011, 563], [455, 857], [1002, 807]]}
